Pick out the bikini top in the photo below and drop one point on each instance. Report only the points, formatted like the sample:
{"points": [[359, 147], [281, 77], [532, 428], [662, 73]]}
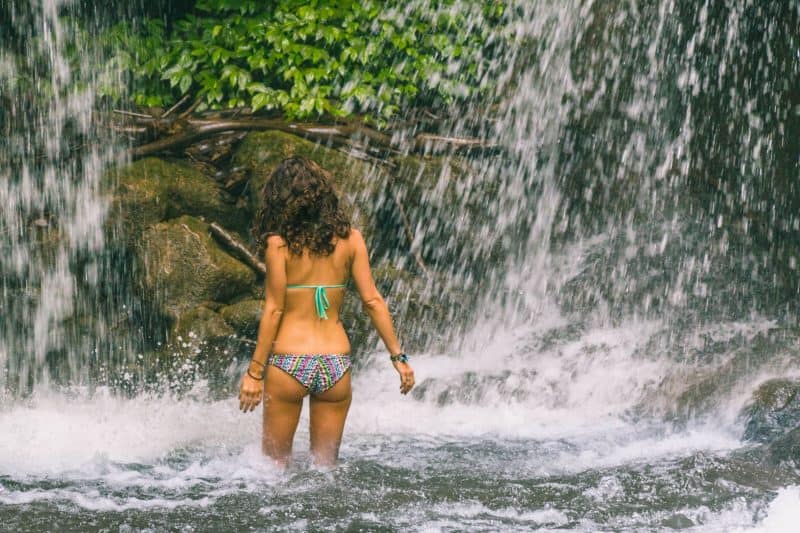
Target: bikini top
{"points": [[320, 297]]}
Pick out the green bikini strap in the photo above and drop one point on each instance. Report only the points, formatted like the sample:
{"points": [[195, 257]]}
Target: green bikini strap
{"points": [[320, 297]]}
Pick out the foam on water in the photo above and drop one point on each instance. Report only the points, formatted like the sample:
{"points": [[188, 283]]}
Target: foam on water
{"points": [[54, 434], [783, 514], [104, 438]]}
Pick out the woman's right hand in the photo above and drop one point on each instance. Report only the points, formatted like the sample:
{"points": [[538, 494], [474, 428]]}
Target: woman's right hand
{"points": [[250, 392], [406, 376]]}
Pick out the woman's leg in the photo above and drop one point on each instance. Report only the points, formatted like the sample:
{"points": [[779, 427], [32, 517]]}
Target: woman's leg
{"points": [[283, 401], [328, 413]]}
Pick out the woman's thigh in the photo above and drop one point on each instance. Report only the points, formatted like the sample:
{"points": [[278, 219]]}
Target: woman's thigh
{"points": [[283, 401], [328, 412]]}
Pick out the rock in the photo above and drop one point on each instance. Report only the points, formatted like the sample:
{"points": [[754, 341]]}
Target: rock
{"points": [[774, 411], [444, 198], [152, 190], [244, 316], [183, 266], [201, 343], [201, 325], [261, 152], [785, 448]]}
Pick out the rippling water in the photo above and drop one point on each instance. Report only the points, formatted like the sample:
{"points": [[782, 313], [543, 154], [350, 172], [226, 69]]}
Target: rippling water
{"points": [[572, 453]]}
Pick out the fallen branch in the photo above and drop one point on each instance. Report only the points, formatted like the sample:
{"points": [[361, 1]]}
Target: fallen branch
{"points": [[176, 132], [237, 248], [191, 130], [176, 106]]}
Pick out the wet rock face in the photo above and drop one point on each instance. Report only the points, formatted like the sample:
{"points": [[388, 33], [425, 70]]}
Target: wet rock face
{"points": [[183, 267], [785, 449], [152, 190], [244, 316], [774, 412]]}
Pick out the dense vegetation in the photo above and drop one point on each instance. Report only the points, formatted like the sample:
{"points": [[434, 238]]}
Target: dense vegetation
{"points": [[308, 58]]}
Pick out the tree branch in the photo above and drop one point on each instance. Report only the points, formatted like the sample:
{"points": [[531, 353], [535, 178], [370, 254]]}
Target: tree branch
{"points": [[237, 248], [174, 133]]}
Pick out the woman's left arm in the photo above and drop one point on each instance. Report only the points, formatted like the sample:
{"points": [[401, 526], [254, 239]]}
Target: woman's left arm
{"points": [[251, 389]]}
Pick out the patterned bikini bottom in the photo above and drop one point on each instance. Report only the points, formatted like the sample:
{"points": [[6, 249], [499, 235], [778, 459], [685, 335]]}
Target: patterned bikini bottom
{"points": [[316, 372]]}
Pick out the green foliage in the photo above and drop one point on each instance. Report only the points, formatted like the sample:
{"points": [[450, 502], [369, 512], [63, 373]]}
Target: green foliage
{"points": [[310, 58]]}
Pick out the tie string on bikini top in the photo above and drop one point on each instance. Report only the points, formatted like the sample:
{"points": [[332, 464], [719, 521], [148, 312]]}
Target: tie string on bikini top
{"points": [[320, 297]]}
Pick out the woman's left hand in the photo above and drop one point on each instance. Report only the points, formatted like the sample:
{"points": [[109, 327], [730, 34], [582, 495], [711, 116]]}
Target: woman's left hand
{"points": [[406, 376], [250, 393]]}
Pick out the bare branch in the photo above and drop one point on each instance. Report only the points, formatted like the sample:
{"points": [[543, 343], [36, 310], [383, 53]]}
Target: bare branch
{"points": [[237, 248], [132, 114], [176, 106]]}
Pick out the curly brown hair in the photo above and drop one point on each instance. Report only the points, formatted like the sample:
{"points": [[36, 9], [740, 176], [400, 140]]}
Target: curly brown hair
{"points": [[299, 203]]}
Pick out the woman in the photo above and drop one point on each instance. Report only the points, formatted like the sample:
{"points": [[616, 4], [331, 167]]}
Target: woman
{"points": [[302, 348]]}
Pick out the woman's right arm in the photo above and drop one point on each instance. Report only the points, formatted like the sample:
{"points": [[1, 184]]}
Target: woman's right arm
{"points": [[376, 307]]}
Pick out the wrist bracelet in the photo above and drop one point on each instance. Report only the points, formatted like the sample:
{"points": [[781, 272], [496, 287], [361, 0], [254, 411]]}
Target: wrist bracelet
{"points": [[264, 365], [255, 378], [401, 357]]}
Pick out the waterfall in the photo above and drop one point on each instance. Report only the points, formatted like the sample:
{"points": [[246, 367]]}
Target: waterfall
{"points": [[618, 274], [52, 159]]}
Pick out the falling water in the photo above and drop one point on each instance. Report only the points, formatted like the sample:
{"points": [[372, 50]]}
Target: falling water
{"points": [[630, 281], [51, 230]]}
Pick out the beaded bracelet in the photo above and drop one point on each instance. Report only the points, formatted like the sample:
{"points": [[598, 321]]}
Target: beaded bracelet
{"points": [[401, 357]]}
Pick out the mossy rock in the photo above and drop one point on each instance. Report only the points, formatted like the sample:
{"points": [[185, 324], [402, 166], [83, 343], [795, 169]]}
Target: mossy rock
{"points": [[785, 449], [184, 266], [201, 325], [152, 190], [774, 411], [201, 343], [262, 152], [244, 316]]}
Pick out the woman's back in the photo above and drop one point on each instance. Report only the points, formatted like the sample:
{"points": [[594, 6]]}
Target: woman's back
{"points": [[312, 281]]}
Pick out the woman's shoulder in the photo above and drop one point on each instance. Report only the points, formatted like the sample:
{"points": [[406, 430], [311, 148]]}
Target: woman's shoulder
{"points": [[355, 234], [354, 239], [351, 243], [276, 241]]}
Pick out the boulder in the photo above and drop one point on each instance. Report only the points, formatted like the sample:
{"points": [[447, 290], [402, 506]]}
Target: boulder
{"points": [[201, 343], [774, 411], [183, 266], [785, 449], [152, 190], [244, 316], [201, 326]]}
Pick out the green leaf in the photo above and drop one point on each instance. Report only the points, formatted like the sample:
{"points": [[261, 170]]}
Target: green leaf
{"points": [[309, 56], [307, 105], [258, 101], [258, 88], [185, 83]]}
